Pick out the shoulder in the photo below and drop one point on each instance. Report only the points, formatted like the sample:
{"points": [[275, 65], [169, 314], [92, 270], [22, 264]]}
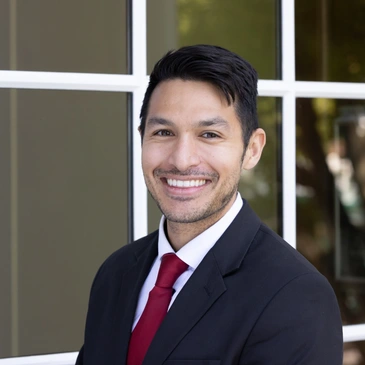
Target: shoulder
{"points": [[278, 255], [123, 258], [280, 271], [297, 311], [131, 250]]}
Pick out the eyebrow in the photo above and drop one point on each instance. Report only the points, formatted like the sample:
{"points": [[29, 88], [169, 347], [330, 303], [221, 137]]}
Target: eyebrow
{"points": [[159, 121], [217, 121]]}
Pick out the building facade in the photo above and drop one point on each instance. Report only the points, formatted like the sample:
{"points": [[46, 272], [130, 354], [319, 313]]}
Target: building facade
{"points": [[72, 80]]}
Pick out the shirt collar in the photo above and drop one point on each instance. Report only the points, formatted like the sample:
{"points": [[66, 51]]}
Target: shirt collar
{"points": [[194, 251]]}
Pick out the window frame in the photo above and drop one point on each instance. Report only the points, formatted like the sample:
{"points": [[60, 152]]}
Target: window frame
{"points": [[287, 88]]}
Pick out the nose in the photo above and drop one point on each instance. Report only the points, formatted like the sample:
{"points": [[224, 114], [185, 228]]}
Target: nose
{"points": [[184, 154]]}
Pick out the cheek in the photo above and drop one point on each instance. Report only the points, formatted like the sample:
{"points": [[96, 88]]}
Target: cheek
{"points": [[224, 159], [152, 157]]}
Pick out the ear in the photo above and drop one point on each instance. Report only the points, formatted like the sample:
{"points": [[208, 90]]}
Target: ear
{"points": [[254, 149]]}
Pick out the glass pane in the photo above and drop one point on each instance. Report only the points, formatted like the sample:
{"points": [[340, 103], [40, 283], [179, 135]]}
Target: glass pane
{"points": [[331, 196], [4, 35], [330, 40], [70, 36], [262, 185], [246, 27], [354, 353], [65, 202], [5, 269]]}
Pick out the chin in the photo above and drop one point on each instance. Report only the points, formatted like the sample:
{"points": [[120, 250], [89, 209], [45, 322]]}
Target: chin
{"points": [[186, 218]]}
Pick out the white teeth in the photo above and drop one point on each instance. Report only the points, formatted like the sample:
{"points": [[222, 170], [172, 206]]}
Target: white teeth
{"points": [[185, 183]]}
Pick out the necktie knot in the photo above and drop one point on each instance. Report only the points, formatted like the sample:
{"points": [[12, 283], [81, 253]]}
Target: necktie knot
{"points": [[171, 268]]}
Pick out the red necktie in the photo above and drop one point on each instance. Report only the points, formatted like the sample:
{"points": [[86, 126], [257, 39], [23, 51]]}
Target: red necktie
{"points": [[156, 308]]}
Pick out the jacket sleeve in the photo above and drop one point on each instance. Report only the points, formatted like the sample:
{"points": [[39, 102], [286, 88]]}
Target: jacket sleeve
{"points": [[80, 357], [301, 325]]}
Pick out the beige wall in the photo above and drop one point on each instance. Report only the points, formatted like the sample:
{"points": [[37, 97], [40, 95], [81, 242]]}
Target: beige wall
{"points": [[5, 306]]}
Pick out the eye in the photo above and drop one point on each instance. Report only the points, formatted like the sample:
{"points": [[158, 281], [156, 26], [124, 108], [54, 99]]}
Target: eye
{"points": [[163, 133], [210, 135]]}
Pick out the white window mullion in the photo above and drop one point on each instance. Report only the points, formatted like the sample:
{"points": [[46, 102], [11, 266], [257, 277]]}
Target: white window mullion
{"points": [[330, 90], [288, 121], [68, 81], [354, 333], [273, 88], [68, 358], [139, 38], [288, 40], [289, 163], [139, 60], [140, 212]]}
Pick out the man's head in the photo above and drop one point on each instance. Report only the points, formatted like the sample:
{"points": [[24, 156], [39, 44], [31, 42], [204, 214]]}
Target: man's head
{"points": [[234, 77], [197, 104]]}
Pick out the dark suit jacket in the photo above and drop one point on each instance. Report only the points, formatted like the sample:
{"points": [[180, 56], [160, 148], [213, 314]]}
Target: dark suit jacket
{"points": [[253, 300]]}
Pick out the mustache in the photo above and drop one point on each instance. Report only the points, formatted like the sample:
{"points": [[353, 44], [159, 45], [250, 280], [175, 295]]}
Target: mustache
{"points": [[190, 172]]}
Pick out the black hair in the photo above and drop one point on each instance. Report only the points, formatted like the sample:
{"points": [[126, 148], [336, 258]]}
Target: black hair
{"points": [[227, 71]]}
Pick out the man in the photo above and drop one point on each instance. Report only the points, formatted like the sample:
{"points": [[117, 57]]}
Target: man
{"points": [[213, 285]]}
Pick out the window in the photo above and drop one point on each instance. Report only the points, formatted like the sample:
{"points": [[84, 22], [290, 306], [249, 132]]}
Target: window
{"points": [[69, 151]]}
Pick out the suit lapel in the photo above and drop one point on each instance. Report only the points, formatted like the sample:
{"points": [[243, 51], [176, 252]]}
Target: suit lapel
{"points": [[205, 286], [231, 249], [131, 285]]}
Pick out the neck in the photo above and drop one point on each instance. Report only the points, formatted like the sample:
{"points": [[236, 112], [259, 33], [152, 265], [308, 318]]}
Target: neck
{"points": [[179, 234]]}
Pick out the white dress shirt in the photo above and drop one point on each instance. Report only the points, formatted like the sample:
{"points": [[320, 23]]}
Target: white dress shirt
{"points": [[192, 254]]}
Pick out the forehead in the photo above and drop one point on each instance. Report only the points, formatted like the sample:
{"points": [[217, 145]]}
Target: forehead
{"points": [[189, 101]]}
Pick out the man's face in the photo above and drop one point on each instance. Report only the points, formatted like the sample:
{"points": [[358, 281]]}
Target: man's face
{"points": [[192, 151]]}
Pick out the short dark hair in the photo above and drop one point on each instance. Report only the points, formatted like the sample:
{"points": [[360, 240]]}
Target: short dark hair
{"points": [[227, 71]]}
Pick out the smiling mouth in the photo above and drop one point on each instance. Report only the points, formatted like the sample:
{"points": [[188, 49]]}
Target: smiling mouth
{"points": [[185, 183]]}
